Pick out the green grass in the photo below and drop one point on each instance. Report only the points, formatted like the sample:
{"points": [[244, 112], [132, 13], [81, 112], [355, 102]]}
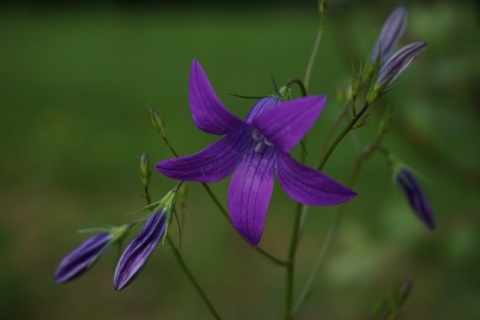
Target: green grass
{"points": [[74, 84]]}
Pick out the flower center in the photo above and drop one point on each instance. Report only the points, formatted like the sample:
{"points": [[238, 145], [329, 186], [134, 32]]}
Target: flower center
{"points": [[260, 139]]}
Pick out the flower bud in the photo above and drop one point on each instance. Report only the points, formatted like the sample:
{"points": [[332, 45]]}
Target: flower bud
{"points": [[417, 199], [137, 253], [144, 169], [392, 31], [157, 121], [393, 68], [83, 257]]}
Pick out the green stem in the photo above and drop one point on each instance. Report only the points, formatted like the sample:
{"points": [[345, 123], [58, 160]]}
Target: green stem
{"points": [[185, 268], [321, 258], [334, 225], [225, 214], [313, 55], [333, 128], [146, 194], [301, 210], [340, 137], [326, 244], [192, 279], [172, 150], [291, 264]]}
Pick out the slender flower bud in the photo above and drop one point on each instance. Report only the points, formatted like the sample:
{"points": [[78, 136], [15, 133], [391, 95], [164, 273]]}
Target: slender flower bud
{"points": [[392, 31], [137, 253], [416, 197], [157, 121], [394, 67], [144, 169], [83, 257]]}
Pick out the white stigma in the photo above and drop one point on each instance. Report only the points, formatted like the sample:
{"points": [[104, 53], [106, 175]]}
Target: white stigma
{"points": [[261, 140]]}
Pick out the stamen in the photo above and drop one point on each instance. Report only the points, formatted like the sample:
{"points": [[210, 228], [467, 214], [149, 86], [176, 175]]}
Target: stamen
{"points": [[256, 135], [268, 143], [258, 147]]}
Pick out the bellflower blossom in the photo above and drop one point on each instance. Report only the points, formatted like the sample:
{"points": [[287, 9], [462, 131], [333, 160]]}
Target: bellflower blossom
{"points": [[254, 149], [137, 253], [416, 197], [83, 257], [392, 31]]}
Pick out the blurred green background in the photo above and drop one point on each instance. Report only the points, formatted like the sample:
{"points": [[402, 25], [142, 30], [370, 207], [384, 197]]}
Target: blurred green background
{"points": [[74, 83]]}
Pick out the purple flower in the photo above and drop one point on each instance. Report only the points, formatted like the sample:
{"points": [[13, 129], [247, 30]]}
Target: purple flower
{"points": [[391, 33], [83, 257], [138, 251], [254, 149], [416, 197], [397, 64]]}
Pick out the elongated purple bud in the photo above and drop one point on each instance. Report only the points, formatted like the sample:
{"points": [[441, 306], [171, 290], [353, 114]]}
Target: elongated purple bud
{"points": [[416, 197], [392, 31], [137, 253], [397, 64], [83, 257]]}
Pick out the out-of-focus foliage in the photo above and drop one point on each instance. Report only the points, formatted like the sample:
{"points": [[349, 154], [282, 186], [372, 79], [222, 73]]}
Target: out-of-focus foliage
{"points": [[74, 83]]}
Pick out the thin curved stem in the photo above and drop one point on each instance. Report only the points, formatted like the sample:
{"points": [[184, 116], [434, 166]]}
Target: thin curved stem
{"points": [[291, 266], [300, 84], [326, 245], [186, 270], [192, 279], [340, 137], [314, 53], [225, 214], [300, 210], [332, 130], [335, 224]]}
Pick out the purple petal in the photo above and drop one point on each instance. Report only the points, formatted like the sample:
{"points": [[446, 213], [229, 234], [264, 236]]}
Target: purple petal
{"points": [[208, 112], [309, 186], [261, 106], [80, 259], [136, 255], [213, 163], [250, 191], [392, 31], [286, 124], [419, 202]]}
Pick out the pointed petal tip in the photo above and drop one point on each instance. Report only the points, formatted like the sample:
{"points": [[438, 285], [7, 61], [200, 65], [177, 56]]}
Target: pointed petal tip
{"points": [[309, 186], [196, 65], [249, 196], [208, 112]]}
